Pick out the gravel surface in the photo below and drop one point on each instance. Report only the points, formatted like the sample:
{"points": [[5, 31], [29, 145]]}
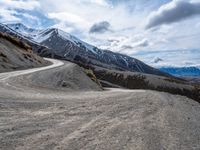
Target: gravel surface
{"points": [[40, 117]]}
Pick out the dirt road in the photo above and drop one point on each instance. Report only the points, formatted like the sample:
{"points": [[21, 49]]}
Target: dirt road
{"points": [[39, 118]]}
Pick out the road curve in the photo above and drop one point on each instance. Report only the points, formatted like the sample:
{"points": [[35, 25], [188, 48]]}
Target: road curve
{"points": [[55, 63], [42, 118]]}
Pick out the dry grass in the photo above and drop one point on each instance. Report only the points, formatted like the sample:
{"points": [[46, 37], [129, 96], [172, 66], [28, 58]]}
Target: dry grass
{"points": [[140, 82], [92, 76], [16, 41]]}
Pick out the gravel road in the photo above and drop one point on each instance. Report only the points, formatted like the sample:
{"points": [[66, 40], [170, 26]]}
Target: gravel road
{"points": [[42, 118]]}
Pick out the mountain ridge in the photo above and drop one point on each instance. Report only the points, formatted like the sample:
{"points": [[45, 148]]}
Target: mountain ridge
{"points": [[71, 48], [182, 71], [109, 67]]}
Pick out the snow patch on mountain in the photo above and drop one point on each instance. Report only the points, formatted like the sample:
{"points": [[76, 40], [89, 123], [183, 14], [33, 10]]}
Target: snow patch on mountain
{"points": [[40, 36], [75, 40], [26, 31], [5, 28], [44, 35]]}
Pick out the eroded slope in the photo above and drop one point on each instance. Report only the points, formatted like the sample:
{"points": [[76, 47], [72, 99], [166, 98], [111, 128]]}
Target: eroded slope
{"points": [[15, 55]]}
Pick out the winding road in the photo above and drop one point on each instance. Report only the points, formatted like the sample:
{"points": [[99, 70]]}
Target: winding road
{"points": [[39, 118], [55, 63]]}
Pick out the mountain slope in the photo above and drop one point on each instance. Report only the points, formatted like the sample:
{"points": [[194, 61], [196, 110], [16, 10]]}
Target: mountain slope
{"points": [[112, 69], [20, 28], [76, 50], [15, 54], [36, 47], [136, 80], [60, 75], [71, 48]]}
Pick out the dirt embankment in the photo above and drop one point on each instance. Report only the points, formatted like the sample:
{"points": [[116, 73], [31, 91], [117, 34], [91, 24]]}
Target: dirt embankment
{"points": [[68, 77], [15, 55]]}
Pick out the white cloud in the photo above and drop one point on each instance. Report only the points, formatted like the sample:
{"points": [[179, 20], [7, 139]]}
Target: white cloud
{"points": [[126, 17], [8, 15], [198, 25], [28, 16], [100, 2], [69, 22], [65, 16], [77, 16], [8, 10], [173, 12], [20, 4]]}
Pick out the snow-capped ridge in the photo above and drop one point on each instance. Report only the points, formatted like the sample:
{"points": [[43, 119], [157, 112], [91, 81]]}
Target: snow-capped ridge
{"points": [[75, 40], [26, 31], [18, 34], [44, 35], [65, 46]]}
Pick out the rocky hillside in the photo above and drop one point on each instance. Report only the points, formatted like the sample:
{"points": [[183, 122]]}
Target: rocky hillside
{"points": [[36, 47], [15, 54], [135, 80]]}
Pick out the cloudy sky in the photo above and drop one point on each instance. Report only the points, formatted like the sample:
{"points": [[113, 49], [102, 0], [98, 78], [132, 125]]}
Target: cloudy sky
{"points": [[126, 26]]}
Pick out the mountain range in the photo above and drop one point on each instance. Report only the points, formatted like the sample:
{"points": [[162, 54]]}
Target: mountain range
{"points": [[178, 62], [110, 68], [182, 71], [63, 45]]}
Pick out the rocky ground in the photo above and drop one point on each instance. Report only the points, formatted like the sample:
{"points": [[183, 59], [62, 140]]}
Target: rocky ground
{"points": [[39, 117], [15, 55]]}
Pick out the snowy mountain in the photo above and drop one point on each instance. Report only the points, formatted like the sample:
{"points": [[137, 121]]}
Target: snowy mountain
{"points": [[68, 47], [170, 58], [182, 62], [73, 49], [20, 28], [111, 69], [46, 34], [37, 48], [182, 71]]}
